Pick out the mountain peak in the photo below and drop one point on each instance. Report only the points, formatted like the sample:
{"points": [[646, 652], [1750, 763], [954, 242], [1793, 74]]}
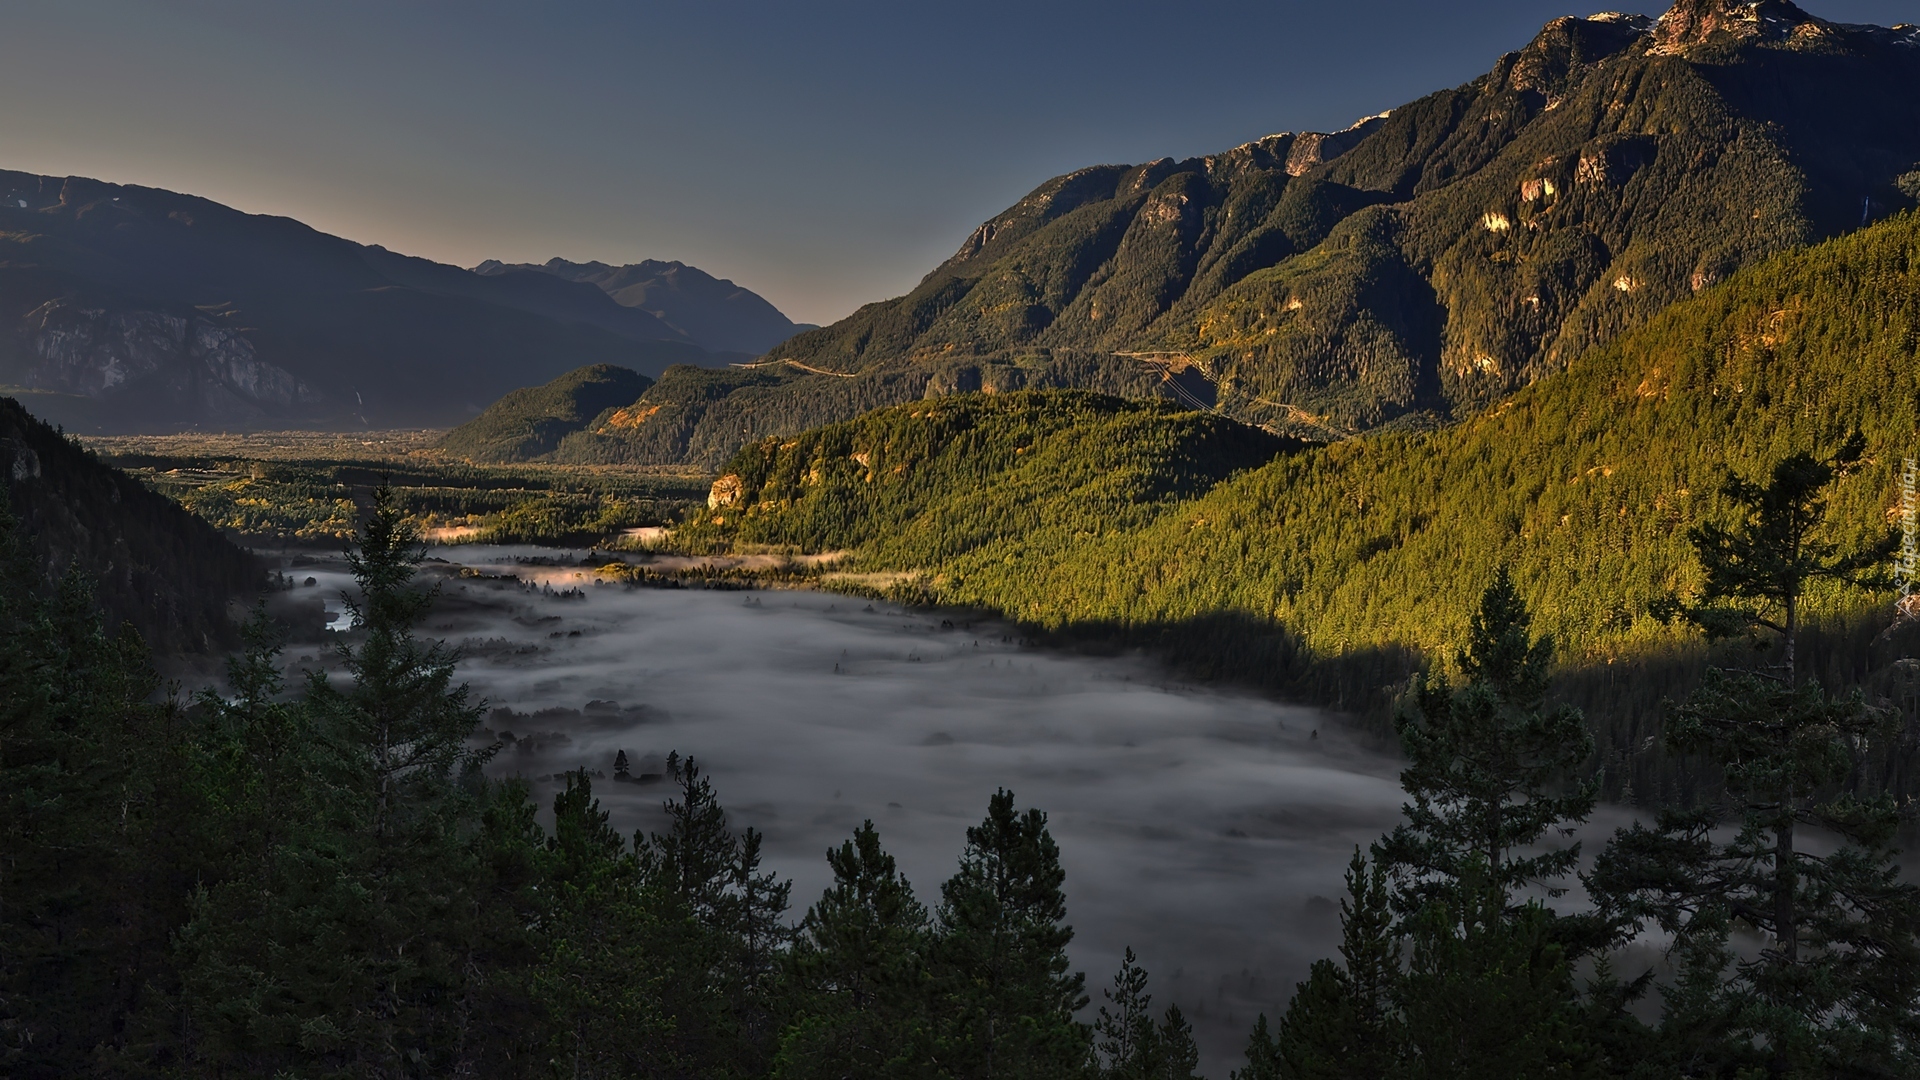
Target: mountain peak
{"points": [[714, 312], [1566, 46], [1689, 23]]}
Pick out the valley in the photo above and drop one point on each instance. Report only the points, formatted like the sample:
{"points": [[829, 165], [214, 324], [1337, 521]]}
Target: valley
{"points": [[1198, 826], [1423, 600]]}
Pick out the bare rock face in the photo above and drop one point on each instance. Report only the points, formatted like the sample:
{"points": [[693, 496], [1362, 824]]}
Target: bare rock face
{"points": [[101, 354], [726, 491], [1690, 23]]}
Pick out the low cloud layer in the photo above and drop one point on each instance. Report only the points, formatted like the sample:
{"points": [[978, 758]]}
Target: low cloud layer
{"points": [[1207, 830]]}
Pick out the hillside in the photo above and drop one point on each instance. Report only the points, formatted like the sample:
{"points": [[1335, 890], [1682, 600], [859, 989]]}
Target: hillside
{"points": [[1399, 274], [918, 485], [153, 564], [528, 424], [711, 312], [134, 309], [1584, 483]]}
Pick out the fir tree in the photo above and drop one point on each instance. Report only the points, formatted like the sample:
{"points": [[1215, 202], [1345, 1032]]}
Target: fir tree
{"points": [[1006, 997], [1489, 765], [1125, 1042], [1488, 993], [1179, 1055], [724, 913], [601, 979], [1129, 1045], [354, 946], [1263, 1055], [404, 717], [1832, 990], [88, 889], [858, 973], [696, 857], [1343, 1020]]}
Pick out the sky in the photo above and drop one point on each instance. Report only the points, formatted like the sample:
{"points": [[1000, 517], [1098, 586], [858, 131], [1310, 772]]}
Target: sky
{"points": [[823, 154]]}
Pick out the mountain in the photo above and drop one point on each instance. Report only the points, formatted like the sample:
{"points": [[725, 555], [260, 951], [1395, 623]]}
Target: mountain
{"points": [[709, 311], [530, 423], [1584, 483], [1403, 273], [129, 308], [154, 565]]}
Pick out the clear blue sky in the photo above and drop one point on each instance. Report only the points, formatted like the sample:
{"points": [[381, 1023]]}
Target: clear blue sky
{"points": [[824, 154]]}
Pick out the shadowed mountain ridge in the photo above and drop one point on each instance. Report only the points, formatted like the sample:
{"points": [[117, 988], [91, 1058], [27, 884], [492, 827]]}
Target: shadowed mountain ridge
{"points": [[130, 308], [713, 312]]}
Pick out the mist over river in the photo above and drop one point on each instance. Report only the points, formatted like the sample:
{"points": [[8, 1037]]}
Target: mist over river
{"points": [[1206, 829]]}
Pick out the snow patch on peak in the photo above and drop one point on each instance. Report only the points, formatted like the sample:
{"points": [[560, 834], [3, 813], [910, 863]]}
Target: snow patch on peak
{"points": [[1692, 22], [1637, 22]]}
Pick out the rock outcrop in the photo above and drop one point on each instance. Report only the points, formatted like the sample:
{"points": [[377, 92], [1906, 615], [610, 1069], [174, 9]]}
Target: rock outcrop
{"points": [[210, 373]]}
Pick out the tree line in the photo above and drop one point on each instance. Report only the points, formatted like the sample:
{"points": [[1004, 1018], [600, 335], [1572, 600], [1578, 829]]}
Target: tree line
{"points": [[325, 882]]}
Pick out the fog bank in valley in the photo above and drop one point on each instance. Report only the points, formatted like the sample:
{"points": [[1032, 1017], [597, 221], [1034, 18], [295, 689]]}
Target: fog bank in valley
{"points": [[1206, 829]]}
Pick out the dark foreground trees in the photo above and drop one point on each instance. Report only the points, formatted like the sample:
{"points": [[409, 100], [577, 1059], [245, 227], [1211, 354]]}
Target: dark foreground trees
{"points": [[1798, 941], [1791, 942], [321, 881], [1445, 970]]}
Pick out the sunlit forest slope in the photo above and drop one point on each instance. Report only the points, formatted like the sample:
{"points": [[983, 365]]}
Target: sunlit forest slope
{"points": [[1583, 483]]}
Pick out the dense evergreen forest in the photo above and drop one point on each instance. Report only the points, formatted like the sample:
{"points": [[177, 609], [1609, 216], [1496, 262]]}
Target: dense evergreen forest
{"points": [[166, 571], [324, 881], [529, 423]]}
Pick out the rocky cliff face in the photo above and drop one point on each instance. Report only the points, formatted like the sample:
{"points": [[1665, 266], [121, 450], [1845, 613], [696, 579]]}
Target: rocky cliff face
{"points": [[129, 308], [209, 373]]}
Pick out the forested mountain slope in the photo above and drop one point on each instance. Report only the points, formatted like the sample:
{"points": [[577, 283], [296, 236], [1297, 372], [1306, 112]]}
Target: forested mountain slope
{"points": [[1402, 273], [126, 308], [530, 423], [919, 484], [1584, 483], [149, 562]]}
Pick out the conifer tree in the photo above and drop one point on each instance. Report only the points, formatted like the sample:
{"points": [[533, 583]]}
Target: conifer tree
{"points": [[403, 716], [86, 903], [1006, 997], [696, 857], [1343, 1020], [1488, 993], [730, 930], [1489, 765], [1263, 1055], [1179, 1054], [358, 949], [1834, 987], [1129, 1045], [858, 973], [1124, 1039], [601, 979]]}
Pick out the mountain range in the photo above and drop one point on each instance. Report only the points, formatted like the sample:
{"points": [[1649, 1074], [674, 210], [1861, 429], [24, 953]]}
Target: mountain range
{"points": [[1402, 273], [712, 311], [129, 308]]}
